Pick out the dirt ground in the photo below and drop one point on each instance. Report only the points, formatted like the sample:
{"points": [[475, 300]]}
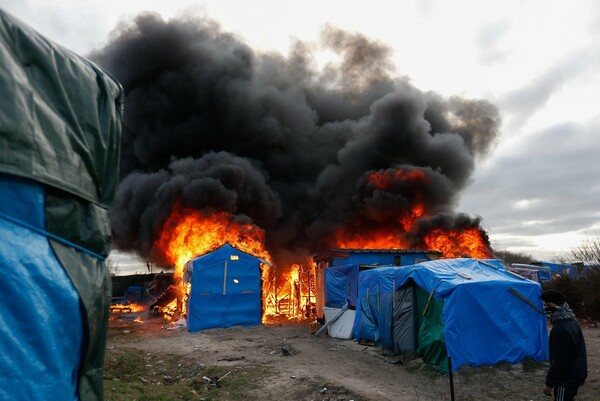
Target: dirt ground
{"points": [[339, 370]]}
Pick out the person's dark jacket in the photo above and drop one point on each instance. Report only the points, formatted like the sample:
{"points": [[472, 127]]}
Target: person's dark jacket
{"points": [[568, 358]]}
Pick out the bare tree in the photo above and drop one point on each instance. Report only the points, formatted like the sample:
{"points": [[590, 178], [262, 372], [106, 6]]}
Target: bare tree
{"points": [[509, 257], [588, 250]]}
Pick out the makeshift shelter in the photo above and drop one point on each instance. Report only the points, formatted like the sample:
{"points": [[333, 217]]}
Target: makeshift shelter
{"points": [[338, 269], [60, 127], [225, 289], [473, 311], [541, 274]]}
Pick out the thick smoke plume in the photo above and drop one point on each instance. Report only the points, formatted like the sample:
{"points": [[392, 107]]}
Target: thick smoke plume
{"points": [[274, 140]]}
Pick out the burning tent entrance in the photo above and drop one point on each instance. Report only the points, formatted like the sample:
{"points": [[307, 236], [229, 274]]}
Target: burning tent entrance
{"points": [[224, 289]]}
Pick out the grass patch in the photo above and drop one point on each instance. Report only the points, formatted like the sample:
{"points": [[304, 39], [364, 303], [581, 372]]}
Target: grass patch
{"points": [[134, 375]]}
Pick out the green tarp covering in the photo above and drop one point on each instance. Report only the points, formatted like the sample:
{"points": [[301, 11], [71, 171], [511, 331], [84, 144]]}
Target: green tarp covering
{"points": [[431, 345], [60, 126]]}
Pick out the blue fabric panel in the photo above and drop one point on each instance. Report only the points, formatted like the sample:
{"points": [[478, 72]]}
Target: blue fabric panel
{"points": [[484, 323], [366, 259], [379, 258], [40, 317], [341, 285], [562, 269], [372, 321], [225, 296]]}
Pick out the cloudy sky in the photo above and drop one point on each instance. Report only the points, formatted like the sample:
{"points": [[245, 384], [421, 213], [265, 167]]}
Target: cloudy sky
{"points": [[538, 191]]}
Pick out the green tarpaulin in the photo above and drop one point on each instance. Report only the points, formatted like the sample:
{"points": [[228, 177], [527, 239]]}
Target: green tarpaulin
{"points": [[60, 126]]}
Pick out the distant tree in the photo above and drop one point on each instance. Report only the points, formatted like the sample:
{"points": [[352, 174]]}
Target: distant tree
{"points": [[562, 258], [509, 257], [588, 251]]}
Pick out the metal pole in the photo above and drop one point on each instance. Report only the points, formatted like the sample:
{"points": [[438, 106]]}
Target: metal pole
{"points": [[451, 378]]}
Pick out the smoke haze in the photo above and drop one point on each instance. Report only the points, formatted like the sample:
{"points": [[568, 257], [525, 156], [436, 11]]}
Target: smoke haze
{"points": [[276, 141]]}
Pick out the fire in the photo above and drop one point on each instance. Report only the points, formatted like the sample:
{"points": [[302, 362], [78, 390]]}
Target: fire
{"points": [[381, 239], [291, 295], [127, 308], [454, 244], [396, 229], [385, 179], [189, 233]]}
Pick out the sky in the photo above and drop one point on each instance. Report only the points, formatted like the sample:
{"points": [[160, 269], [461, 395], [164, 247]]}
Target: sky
{"points": [[538, 189]]}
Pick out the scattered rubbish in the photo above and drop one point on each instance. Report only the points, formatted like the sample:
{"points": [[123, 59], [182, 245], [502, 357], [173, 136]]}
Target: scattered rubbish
{"points": [[285, 352], [214, 381], [323, 390], [179, 324]]}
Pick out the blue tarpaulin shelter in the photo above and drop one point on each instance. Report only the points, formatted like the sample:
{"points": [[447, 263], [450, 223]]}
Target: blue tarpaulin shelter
{"points": [[225, 290], [338, 269], [473, 311]]}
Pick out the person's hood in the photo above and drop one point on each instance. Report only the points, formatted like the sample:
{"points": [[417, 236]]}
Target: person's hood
{"points": [[563, 312]]}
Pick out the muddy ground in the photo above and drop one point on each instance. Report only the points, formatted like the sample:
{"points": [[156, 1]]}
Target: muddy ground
{"points": [[306, 367]]}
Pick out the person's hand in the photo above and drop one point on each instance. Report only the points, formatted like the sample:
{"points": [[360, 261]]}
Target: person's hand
{"points": [[547, 390]]}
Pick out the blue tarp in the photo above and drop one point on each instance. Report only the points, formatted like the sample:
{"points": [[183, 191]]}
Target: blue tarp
{"points": [[225, 290], [41, 322], [484, 319], [341, 285], [562, 269], [382, 258]]}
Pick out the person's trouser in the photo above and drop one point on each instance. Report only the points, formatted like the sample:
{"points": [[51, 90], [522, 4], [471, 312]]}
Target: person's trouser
{"points": [[565, 392]]}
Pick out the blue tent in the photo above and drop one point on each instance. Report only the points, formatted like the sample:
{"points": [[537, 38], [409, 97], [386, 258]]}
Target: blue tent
{"points": [[339, 269], [225, 290], [473, 311], [341, 285]]}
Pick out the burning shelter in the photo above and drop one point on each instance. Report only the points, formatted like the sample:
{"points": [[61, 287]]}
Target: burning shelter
{"points": [[225, 289], [470, 311]]}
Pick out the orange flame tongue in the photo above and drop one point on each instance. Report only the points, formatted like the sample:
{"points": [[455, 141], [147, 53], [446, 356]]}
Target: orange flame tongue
{"points": [[188, 233], [454, 244]]}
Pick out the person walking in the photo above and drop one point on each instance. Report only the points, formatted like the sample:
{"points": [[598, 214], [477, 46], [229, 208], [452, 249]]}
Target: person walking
{"points": [[568, 357]]}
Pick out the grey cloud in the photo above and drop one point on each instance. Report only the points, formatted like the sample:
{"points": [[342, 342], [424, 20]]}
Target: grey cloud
{"points": [[487, 41], [557, 168], [523, 102]]}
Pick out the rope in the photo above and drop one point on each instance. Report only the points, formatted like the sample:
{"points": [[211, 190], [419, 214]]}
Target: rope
{"points": [[50, 235]]}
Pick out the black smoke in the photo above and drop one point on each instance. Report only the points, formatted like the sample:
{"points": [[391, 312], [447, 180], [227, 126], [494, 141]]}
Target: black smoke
{"points": [[212, 123]]}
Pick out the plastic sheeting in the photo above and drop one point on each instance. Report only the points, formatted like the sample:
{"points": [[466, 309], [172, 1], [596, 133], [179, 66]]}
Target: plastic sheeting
{"points": [[383, 258], [41, 320], [60, 125], [226, 290], [341, 285], [483, 321], [60, 115]]}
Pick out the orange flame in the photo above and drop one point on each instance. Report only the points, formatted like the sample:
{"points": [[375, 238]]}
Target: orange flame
{"points": [[454, 244], [189, 233]]}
